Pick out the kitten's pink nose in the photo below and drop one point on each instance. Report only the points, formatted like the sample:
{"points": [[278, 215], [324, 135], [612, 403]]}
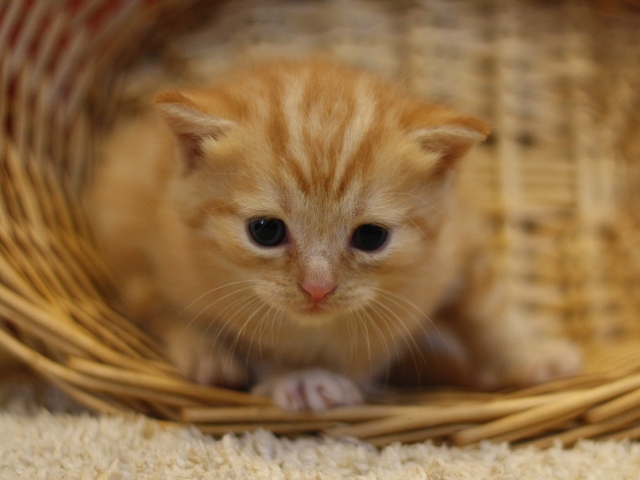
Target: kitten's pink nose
{"points": [[317, 291]]}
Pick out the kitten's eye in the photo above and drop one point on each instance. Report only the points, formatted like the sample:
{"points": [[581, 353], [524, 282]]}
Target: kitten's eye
{"points": [[369, 237], [268, 232]]}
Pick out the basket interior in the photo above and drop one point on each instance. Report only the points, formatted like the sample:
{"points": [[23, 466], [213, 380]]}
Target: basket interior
{"points": [[558, 81]]}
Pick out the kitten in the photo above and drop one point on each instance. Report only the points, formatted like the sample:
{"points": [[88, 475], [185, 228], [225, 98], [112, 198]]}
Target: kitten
{"points": [[296, 227]]}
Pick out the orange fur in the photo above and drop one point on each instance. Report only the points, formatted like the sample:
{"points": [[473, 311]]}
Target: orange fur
{"points": [[325, 149]]}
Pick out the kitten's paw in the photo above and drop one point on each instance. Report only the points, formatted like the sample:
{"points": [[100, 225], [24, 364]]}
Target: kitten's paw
{"points": [[311, 389], [537, 362]]}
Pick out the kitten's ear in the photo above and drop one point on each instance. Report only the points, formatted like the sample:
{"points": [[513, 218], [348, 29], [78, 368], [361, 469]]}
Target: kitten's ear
{"points": [[190, 125], [451, 140]]}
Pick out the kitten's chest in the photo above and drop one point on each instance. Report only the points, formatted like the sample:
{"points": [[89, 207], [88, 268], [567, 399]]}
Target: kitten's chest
{"points": [[355, 349]]}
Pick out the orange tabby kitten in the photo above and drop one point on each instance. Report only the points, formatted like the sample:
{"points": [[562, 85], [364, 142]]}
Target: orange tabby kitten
{"points": [[294, 228]]}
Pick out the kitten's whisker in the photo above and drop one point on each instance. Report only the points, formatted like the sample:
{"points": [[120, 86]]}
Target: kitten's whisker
{"points": [[393, 297], [222, 325], [418, 321], [429, 240], [261, 330], [424, 235], [228, 320], [238, 308], [224, 321], [260, 305], [208, 208], [210, 292], [276, 357], [383, 337], [233, 309], [384, 340], [237, 174], [417, 198], [250, 344], [219, 300], [188, 325], [353, 339], [273, 323], [406, 338], [376, 307], [366, 336]]}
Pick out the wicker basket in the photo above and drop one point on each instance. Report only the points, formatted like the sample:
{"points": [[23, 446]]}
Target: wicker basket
{"points": [[559, 81]]}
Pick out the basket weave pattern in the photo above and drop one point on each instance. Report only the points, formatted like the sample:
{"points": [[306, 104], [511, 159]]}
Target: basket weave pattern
{"points": [[559, 82]]}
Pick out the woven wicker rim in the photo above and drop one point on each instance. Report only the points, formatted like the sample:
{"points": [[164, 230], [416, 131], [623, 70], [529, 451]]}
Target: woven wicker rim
{"points": [[56, 80]]}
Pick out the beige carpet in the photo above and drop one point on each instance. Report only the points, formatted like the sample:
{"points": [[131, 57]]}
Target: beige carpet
{"points": [[72, 444]]}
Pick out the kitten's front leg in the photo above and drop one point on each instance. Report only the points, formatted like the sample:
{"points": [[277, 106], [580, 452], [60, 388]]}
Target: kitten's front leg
{"points": [[504, 350], [199, 357], [526, 361], [312, 389]]}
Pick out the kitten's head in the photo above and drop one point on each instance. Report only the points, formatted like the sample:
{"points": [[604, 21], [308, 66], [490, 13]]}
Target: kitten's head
{"points": [[319, 184]]}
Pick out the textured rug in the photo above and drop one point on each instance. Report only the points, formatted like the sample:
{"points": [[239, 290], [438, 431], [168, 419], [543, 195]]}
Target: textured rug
{"points": [[43, 435]]}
